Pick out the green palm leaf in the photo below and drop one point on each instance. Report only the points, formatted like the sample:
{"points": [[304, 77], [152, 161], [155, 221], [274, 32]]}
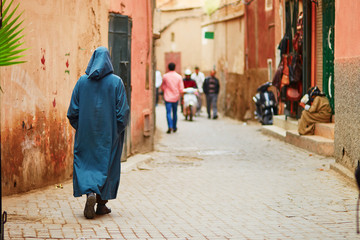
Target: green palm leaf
{"points": [[10, 35]]}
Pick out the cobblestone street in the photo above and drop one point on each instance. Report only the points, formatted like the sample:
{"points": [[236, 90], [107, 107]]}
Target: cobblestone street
{"points": [[213, 179]]}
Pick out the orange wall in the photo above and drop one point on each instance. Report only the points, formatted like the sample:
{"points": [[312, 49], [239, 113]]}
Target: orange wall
{"points": [[347, 31], [36, 137], [141, 55]]}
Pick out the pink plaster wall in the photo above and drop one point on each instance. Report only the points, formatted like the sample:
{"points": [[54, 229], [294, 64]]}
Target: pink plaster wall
{"points": [[36, 138], [347, 31], [140, 11]]}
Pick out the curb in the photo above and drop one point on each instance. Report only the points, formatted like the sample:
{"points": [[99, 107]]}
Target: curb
{"points": [[134, 162], [345, 172]]}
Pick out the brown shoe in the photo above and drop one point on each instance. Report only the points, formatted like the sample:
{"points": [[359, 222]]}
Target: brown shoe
{"points": [[102, 209], [89, 211]]}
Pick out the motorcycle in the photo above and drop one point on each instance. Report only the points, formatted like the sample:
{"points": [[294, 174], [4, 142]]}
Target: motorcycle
{"points": [[190, 103], [266, 104]]}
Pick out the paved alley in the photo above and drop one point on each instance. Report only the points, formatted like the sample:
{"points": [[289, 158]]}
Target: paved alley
{"points": [[213, 179]]}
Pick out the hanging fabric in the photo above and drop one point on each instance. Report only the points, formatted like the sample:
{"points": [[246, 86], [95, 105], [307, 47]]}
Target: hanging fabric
{"points": [[295, 16], [288, 31]]}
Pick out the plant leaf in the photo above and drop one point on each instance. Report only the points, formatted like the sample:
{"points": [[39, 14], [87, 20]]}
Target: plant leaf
{"points": [[10, 35]]}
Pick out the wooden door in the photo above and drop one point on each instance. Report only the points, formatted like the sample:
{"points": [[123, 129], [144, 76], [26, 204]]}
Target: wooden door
{"points": [[174, 57], [120, 53], [328, 49]]}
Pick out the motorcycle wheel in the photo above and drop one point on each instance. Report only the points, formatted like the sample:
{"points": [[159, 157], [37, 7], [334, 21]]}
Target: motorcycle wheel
{"points": [[268, 120]]}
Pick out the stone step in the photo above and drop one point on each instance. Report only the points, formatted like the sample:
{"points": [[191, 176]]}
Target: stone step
{"points": [[325, 130], [285, 123], [274, 131], [317, 144]]}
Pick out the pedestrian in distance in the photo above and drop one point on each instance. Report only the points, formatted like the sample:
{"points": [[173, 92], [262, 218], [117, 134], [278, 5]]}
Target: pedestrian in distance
{"points": [[158, 82], [98, 112], [188, 81], [199, 78], [189, 99], [211, 89], [172, 87]]}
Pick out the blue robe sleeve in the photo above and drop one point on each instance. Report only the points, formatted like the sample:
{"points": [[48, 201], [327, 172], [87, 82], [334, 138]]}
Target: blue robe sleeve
{"points": [[122, 108], [73, 111]]}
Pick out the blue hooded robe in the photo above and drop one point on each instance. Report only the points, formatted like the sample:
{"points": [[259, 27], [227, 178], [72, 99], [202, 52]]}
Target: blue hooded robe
{"points": [[99, 112]]}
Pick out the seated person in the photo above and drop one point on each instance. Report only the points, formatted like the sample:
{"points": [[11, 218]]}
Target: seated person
{"points": [[317, 110]]}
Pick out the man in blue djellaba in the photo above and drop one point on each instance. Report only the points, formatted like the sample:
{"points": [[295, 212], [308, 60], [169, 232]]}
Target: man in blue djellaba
{"points": [[99, 113]]}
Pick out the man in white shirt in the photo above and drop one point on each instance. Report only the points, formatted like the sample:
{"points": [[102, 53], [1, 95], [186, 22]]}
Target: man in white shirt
{"points": [[199, 78]]}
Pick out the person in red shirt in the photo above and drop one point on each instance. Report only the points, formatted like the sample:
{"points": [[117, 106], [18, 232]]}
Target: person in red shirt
{"points": [[188, 82], [172, 87]]}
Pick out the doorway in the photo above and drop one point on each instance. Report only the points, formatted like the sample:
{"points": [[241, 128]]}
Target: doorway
{"points": [[174, 57], [120, 54]]}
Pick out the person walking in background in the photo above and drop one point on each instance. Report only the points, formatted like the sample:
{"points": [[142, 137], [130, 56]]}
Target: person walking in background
{"points": [[188, 81], [172, 87], [158, 82], [199, 78], [99, 113], [211, 89]]}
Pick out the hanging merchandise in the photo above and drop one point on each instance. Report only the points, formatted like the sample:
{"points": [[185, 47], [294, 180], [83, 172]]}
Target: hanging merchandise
{"points": [[284, 45], [291, 64], [298, 37], [285, 78], [288, 31], [278, 76], [295, 16], [295, 69]]}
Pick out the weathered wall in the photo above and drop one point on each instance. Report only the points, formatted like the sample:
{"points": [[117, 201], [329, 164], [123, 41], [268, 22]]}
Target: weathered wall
{"points": [[347, 121], [180, 32], [347, 90], [228, 52], [239, 92], [345, 13], [260, 35], [140, 11], [36, 139]]}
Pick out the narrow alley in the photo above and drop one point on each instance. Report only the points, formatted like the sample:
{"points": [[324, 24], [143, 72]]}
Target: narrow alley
{"points": [[213, 179]]}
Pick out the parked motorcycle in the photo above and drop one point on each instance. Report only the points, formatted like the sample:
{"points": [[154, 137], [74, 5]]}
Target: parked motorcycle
{"points": [[266, 104], [190, 103]]}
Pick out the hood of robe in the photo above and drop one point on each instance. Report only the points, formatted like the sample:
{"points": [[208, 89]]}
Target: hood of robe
{"points": [[100, 64]]}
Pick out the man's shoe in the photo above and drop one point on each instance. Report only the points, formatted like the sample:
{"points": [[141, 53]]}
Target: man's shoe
{"points": [[102, 209], [89, 211], [175, 129], [169, 131], [209, 117], [215, 117]]}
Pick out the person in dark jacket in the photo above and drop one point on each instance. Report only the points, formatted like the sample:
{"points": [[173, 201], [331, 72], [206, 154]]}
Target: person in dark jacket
{"points": [[99, 113], [211, 89]]}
